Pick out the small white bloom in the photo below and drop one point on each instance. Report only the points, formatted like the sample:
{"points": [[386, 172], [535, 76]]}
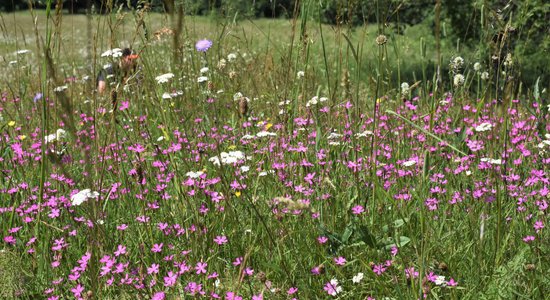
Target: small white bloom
{"points": [[508, 60], [477, 67], [202, 79], [160, 138], [323, 99], [194, 174], [116, 52], [409, 163], [247, 137], [83, 196], [265, 133], [357, 278], [60, 134], [300, 74], [60, 88], [440, 280], [237, 96], [50, 138], [458, 80], [222, 63], [164, 78], [204, 70], [245, 169], [491, 161], [312, 101], [23, 51], [485, 126], [166, 96], [231, 56], [334, 135], [405, 89], [485, 75], [13, 62], [364, 133]]}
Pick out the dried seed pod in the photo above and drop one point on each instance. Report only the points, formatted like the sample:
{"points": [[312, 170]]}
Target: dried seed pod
{"points": [[243, 106]]}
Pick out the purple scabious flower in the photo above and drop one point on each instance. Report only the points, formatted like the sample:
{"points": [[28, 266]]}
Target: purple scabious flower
{"points": [[203, 45]]}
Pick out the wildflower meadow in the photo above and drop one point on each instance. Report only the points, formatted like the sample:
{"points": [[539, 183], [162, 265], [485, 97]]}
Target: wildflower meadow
{"points": [[273, 158]]}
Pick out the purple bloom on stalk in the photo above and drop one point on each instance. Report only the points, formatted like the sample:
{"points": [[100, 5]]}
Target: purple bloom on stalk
{"points": [[203, 45], [37, 97]]}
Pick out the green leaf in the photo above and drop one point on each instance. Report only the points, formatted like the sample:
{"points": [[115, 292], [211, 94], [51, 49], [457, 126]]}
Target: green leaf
{"points": [[366, 236]]}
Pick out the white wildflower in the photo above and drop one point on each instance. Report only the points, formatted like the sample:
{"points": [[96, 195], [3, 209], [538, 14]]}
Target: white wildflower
{"points": [[202, 79], [485, 126], [164, 78], [508, 60], [204, 70], [237, 96], [405, 89], [312, 101], [166, 96], [485, 75], [334, 135], [231, 56], [60, 134], [194, 175], [60, 88], [300, 74], [458, 80], [160, 138], [265, 133], [409, 163], [245, 169], [116, 52], [222, 63], [357, 278], [491, 161], [456, 63], [23, 51], [83, 196], [364, 133], [440, 280], [477, 67]]}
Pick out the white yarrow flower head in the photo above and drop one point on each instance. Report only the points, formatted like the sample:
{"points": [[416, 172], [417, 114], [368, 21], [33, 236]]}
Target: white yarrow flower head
{"points": [[202, 79], [204, 70], [485, 126], [485, 75], [405, 89], [83, 196], [458, 80], [357, 278], [166, 96], [300, 74], [164, 78]]}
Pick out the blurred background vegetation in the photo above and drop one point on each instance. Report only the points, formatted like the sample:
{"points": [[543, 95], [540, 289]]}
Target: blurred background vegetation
{"points": [[480, 30]]}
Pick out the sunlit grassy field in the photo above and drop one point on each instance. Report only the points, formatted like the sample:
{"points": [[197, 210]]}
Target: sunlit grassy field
{"points": [[288, 160]]}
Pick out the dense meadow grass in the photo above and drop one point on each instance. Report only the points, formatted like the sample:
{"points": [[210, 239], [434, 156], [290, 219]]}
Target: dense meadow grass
{"points": [[288, 160]]}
